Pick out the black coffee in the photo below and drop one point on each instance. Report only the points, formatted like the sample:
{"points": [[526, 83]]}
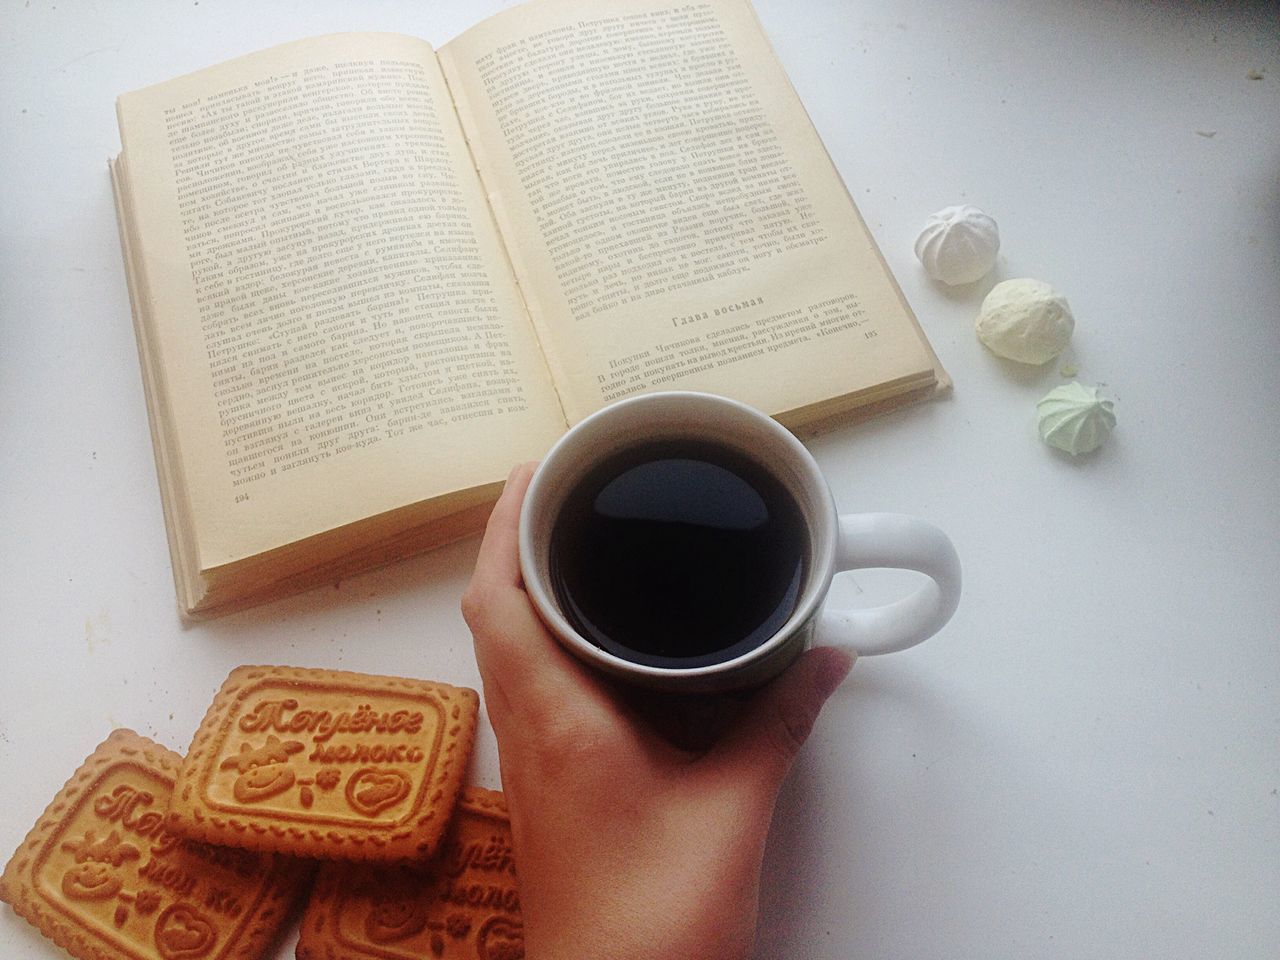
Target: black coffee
{"points": [[678, 554]]}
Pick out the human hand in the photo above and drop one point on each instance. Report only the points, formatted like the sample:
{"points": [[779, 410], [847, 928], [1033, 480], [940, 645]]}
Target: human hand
{"points": [[627, 847]]}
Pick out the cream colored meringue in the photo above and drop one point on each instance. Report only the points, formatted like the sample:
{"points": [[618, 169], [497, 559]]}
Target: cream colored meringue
{"points": [[958, 245], [1025, 320], [1075, 418]]}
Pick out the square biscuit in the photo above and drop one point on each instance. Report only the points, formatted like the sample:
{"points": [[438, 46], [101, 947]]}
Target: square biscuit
{"points": [[102, 876], [326, 763], [463, 904]]}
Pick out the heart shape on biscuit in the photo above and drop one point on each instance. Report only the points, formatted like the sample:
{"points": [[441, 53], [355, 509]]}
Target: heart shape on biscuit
{"points": [[182, 934], [500, 939], [370, 790]]}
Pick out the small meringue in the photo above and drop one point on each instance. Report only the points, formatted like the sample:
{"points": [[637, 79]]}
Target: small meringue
{"points": [[1025, 320], [958, 245], [1075, 418]]}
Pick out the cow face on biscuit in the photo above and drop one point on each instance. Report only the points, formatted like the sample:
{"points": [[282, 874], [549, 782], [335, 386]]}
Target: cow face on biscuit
{"points": [[264, 771], [94, 876]]}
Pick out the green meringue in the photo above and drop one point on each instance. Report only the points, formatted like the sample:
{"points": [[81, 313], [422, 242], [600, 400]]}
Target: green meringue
{"points": [[1075, 418]]}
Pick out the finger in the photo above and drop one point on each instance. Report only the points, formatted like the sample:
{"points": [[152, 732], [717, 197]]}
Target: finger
{"points": [[770, 732], [523, 665], [499, 557], [533, 687], [504, 624]]}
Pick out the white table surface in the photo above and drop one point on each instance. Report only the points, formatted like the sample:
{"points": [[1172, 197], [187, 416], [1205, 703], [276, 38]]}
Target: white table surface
{"points": [[1085, 762]]}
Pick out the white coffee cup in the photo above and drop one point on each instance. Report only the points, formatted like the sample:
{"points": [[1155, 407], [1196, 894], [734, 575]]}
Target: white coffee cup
{"points": [[837, 542]]}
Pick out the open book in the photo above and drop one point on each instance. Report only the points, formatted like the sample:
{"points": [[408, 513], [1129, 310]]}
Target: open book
{"points": [[368, 277]]}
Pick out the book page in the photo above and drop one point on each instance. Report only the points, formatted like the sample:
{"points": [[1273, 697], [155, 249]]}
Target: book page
{"points": [[672, 215], [333, 324]]}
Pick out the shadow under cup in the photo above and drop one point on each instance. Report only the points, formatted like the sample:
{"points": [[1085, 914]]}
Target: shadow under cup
{"points": [[683, 421]]}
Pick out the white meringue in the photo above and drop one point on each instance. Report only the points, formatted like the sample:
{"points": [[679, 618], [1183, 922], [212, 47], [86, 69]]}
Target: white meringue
{"points": [[1075, 418], [958, 245], [1025, 320]]}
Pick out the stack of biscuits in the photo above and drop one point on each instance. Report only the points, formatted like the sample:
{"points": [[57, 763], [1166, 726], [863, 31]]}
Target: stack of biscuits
{"points": [[343, 786]]}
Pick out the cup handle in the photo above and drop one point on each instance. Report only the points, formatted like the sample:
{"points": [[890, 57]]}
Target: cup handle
{"points": [[893, 540]]}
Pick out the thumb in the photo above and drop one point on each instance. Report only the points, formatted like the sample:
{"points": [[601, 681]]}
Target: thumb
{"points": [[775, 724]]}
